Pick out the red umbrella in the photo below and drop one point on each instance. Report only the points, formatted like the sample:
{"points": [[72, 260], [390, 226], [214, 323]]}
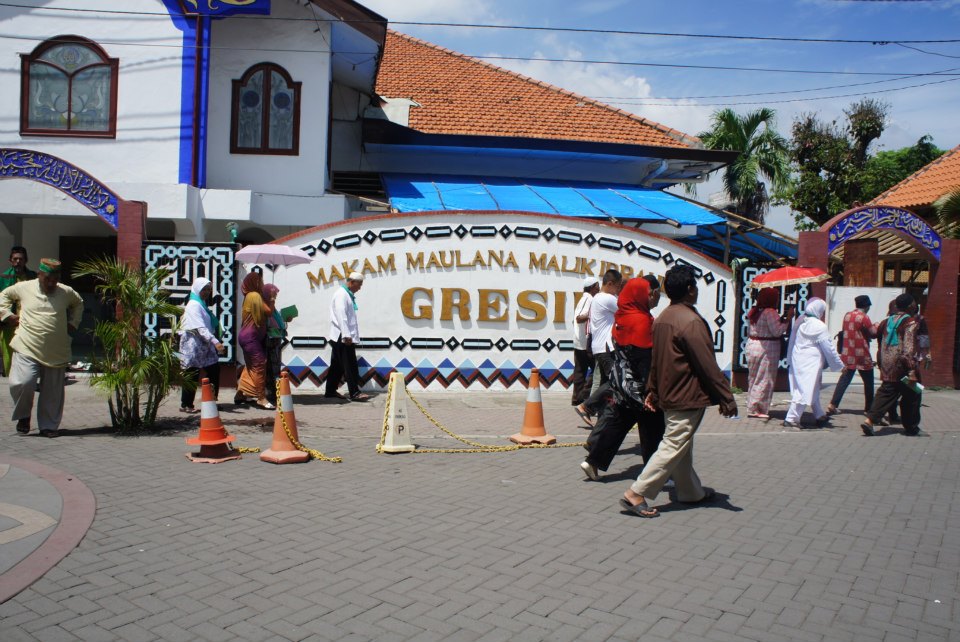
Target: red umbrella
{"points": [[788, 275]]}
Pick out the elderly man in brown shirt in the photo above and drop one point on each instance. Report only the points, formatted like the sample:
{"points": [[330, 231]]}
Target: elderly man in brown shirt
{"points": [[684, 379]]}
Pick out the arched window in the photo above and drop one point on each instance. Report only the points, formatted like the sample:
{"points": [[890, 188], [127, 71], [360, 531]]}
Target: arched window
{"points": [[266, 112], [68, 88]]}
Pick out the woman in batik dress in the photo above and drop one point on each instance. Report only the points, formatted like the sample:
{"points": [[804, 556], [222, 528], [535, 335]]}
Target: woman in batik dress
{"points": [[763, 351]]}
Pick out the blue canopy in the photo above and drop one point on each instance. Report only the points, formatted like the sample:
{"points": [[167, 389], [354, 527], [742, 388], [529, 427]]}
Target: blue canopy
{"points": [[423, 193]]}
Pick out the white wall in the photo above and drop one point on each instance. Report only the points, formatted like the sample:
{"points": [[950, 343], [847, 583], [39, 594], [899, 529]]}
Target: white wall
{"points": [[398, 290], [240, 44], [840, 300], [147, 146]]}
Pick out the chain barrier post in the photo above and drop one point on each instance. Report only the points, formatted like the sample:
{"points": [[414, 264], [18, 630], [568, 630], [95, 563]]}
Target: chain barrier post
{"points": [[397, 436], [213, 438], [283, 450], [533, 431]]}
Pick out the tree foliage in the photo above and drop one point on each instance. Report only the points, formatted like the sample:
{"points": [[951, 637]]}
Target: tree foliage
{"points": [[764, 153], [135, 371], [947, 208], [886, 169]]}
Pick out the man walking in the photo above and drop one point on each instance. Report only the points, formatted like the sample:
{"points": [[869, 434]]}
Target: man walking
{"points": [[344, 337], [855, 353], [602, 310], [49, 313], [582, 357], [18, 271], [897, 337], [684, 379]]}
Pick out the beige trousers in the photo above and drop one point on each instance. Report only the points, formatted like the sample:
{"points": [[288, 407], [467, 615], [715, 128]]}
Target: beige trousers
{"points": [[674, 458], [24, 373]]}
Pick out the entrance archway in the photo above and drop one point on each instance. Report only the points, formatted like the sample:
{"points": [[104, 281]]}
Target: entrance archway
{"points": [[942, 254], [127, 218]]}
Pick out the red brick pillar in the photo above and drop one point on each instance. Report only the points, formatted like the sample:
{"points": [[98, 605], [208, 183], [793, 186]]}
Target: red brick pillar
{"points": [[941, 314], [131, 230], [861, 264], [813, 253]]}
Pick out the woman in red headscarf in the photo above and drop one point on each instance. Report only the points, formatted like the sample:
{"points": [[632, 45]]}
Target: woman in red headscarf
{"points": [[633, 335], [763, 351], [252, 339]]}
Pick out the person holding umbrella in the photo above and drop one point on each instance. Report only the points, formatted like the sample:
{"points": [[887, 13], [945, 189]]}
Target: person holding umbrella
{"points": [[252, 336]]}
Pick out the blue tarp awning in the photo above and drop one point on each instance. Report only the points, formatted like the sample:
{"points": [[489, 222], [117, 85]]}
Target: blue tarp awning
{"points": [[427, 193]]}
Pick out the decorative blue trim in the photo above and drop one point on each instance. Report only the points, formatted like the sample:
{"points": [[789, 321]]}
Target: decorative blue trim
{"points": [[224, 8], [187, 65], [72, 181], [904, 222], [204, 102]]}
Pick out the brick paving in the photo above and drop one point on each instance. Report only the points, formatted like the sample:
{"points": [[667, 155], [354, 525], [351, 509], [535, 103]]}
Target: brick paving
{"points": [[819, 534]]}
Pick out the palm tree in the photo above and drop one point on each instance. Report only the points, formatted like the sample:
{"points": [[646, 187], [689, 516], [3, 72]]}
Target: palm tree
{"points": [[948, 213], [763, 153], [134, 371]]}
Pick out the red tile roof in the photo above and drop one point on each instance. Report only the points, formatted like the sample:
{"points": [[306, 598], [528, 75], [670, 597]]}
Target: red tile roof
{"points": [[458, 94], [926, 185]]}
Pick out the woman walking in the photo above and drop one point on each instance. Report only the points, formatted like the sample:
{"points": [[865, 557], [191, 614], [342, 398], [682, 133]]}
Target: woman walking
{"points": [[810, 347], [763, 351], [253, 332], [200, 345], [276, 333]]}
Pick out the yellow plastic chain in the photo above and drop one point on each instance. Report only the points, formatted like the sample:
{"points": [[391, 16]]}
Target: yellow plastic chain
{"points": [[476, 447]]}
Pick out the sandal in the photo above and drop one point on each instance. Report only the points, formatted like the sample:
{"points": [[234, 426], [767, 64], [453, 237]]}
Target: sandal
{"points": [[584, 415], [239, 399], [360, 396], [640, 510], [188, 409], [266, 406], [758, 415]]}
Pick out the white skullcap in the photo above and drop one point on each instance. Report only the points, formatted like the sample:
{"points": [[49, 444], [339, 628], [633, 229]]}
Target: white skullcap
{"points": [[590, 281], [355, 276]]}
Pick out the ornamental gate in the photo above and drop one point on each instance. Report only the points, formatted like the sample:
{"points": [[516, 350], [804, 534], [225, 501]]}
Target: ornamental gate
{"points": [[187, 261]]}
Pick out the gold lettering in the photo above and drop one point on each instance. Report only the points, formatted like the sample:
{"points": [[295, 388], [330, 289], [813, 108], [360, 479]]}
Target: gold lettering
{"points": [[553, 264], [368, 267], [433, 261], [586, 266], [526, 302], [425, 311], [560, 307], [495, 257], [454, 298], [490, 301], [386, 265], [348, 267], [478, 260], [315, 281], [512, 261], [415, 262], [567, 268], [538, 262], [626, 271]]}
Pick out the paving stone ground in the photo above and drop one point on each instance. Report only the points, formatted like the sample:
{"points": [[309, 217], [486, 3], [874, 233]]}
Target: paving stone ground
{"points": [[819, 535]]}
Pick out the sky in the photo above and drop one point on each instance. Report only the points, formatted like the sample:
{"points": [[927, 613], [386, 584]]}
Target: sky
{"points": [[684, 96]]}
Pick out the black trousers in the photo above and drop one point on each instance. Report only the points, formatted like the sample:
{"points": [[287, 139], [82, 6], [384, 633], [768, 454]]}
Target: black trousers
{"points": [[213, 374], [611, 429], [886, 400], [582, 362], [845, 378], [603, 363], [343, 365]]}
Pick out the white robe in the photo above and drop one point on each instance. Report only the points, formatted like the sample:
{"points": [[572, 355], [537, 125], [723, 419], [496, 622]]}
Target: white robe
{"points": [[810, 349]]}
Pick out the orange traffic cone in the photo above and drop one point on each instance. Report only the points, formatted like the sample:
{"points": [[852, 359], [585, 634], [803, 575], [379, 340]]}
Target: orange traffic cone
{"points": [[533, 430], [282, 450], [213, 437]]}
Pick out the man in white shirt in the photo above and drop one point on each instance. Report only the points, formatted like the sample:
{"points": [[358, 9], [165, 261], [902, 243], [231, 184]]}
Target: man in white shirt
{"points": [[582, 357], [344, 337], [602, 310]]}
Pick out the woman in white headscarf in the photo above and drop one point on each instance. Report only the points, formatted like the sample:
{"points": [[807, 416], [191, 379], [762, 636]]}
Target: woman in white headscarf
{"points": [[810, 349], [200, 345]]}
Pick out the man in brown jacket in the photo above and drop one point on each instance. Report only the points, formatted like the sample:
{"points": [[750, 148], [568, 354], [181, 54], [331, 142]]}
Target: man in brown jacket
{"points": [[684, 379]]}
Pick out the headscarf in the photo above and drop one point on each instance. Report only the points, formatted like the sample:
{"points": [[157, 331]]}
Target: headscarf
{"points": [[253, 282], [254, 309], [767, 298], [269, 292], [816, 308], [199, 284], [633, 323]]}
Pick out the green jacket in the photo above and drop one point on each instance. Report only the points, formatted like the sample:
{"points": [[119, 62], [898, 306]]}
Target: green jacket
{"points": [[9, 277]]}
